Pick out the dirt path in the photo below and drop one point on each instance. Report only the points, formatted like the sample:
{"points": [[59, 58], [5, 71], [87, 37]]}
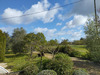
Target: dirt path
{"points": [[92, 68], [5, 65]]}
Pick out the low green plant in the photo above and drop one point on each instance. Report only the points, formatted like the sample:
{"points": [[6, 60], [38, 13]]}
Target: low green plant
{"points": [[16, 63], [30, 70], [47, 72], [80, 72]]}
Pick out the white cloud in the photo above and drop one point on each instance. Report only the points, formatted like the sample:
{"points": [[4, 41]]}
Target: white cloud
{"points": [[77, 21], [11, 13], [85, 7], [46, 31], [58, 24], [62, 38], [7, 29], [47, 16], [40, 29], [77, 34]]}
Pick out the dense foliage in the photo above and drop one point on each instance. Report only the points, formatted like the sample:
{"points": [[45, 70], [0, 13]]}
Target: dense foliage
{"points": [[2, 45], [30, 70], [17, 37], [62, 64], [93, 40]]}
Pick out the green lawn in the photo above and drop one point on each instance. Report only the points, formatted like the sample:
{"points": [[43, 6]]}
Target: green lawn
{"points": [[81, 48]]}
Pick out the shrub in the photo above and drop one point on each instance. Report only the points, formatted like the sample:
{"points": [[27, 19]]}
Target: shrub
{"points": [[47, 72], [30, 70], [75, 54], [62, 64], [68, 50], [80, 72], [45, 61]]}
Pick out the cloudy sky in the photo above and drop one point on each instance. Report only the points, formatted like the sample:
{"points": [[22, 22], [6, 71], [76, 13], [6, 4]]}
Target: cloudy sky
{"points": [[44, 16]]}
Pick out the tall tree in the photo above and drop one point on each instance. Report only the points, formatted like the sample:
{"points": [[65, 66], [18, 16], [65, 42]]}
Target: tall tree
{"points": [[30, 42], [17, 38], [18, 35], [2, 45], [93, 40]]}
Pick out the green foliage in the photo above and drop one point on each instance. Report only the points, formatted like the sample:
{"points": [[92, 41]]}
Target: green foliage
{"points": [[68, 50], [47, 72], [79, 42], [45, 61], [19, 47], [93, 40], [16, 62], [17, 38], [41, 38], [64, 42], [34, 41], [52, 42], [2, 45], [30, 70], [80, 72], [62, 64], [8, 42]]}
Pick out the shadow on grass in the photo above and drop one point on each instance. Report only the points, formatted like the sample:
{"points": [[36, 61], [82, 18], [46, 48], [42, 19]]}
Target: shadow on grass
{"points": [[15, 55]]}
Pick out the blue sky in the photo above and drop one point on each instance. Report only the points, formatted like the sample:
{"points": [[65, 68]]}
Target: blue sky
{"points": [[62, 23]]}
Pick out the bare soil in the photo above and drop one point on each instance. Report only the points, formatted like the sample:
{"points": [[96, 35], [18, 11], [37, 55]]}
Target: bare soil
{"points": [[5, 65]]}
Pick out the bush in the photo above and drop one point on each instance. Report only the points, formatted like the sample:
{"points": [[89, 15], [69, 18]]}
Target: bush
{"points": [[45, 61], [80, 72], [30, 70], [47, 72], [95, 56], [75, 54], [62, 64], [68, 50]]}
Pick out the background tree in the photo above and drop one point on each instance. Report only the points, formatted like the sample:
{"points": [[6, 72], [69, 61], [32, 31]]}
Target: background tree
{"points": [[64, 42], [2, 45], [53, 42], [17, 37]]}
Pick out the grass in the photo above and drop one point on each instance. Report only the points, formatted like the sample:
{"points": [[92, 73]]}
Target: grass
{"points": [[15, 62]]}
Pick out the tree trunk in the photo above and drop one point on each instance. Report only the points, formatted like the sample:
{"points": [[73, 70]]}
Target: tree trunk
{"points": [[31, 52], [41, 62]]}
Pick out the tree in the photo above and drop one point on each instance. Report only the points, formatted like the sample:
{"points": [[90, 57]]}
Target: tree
{"points": [[35, 41], [8, 42], [53, 42], [17, 38], [64, 42], [2, 45], [93, 40], [30, 42], [41, 38], [18, 35]]}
